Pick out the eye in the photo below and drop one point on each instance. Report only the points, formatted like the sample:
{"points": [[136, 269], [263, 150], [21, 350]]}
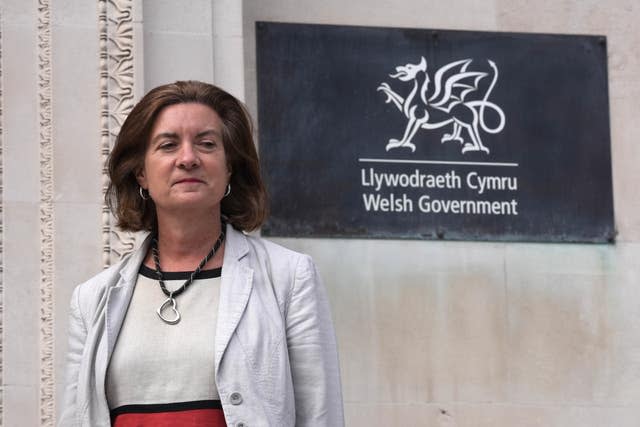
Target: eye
{"points": [[208, 144], [167, 145]]}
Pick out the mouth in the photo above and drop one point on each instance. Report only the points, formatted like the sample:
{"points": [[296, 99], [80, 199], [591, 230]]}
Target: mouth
{"points": [[189, 181], [400, 74]]}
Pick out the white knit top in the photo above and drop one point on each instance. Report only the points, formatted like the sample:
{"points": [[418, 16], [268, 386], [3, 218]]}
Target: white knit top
{"points": [[157, 363]]}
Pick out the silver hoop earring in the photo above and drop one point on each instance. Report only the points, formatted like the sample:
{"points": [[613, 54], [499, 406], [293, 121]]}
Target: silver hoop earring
{"points": [[142, 196], [226, 193]]}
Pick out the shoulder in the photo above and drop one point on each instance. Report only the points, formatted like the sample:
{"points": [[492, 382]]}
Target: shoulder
{"points": [[279, 256], [92, 290], [109, 277], [101, 279], [273, 248], [90, 294], [280, 263]]}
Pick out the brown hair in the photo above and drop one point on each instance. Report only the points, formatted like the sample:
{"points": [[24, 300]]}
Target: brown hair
{"points": [[245, 208]]}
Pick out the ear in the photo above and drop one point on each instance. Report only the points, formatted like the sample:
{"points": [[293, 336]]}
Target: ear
{"points": [[142, 179]]}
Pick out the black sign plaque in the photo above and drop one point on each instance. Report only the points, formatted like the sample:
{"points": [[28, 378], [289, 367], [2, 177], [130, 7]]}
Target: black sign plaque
{"points": [[433, 134]]}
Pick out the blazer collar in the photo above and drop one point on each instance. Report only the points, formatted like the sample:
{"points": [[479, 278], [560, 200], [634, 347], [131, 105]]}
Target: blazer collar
{"points": [[235, 288], [120, 295], [118, 298], [129, 271], [236, 246]]}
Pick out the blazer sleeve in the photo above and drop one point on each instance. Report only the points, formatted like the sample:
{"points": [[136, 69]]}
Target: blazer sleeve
{"points": [[312, 351], [77, 338]]}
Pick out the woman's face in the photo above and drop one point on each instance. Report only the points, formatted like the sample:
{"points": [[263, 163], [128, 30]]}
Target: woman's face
{"points": [[185, 165]]}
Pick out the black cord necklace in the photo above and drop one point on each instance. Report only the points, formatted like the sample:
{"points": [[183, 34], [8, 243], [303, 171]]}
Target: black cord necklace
{"points": [[170, 303]]}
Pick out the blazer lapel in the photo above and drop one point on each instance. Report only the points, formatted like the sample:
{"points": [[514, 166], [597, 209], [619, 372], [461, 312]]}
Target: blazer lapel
{"points": [[117, 303], [120, 295], [118, 298], [235, 288]]}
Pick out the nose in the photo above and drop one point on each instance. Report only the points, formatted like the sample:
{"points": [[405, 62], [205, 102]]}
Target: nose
{"points": [[188, 157]]}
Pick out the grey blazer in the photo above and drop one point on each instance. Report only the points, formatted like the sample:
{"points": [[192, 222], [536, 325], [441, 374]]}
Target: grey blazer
{"points": [[275, 348]]}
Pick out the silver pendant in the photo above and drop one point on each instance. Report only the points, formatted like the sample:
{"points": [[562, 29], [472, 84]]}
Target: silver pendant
{"points": [[173, 307]]}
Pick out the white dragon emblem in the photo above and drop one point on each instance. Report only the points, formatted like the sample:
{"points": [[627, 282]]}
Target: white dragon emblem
{"points": [[446, 102]]}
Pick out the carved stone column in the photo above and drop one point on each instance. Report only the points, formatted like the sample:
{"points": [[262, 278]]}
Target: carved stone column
{"points": [[1, 244], [117, 100], [47, 377]]}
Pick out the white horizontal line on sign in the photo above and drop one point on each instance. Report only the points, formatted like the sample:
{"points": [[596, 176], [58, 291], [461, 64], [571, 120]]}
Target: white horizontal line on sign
{"points": [[437, 162]]}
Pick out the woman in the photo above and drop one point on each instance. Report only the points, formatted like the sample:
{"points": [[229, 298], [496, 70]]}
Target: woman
{"points": [[203, 325]]}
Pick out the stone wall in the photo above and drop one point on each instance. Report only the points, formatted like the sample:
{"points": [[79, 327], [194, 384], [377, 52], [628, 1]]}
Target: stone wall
{"points": [[489, 334], [430, 333]]}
